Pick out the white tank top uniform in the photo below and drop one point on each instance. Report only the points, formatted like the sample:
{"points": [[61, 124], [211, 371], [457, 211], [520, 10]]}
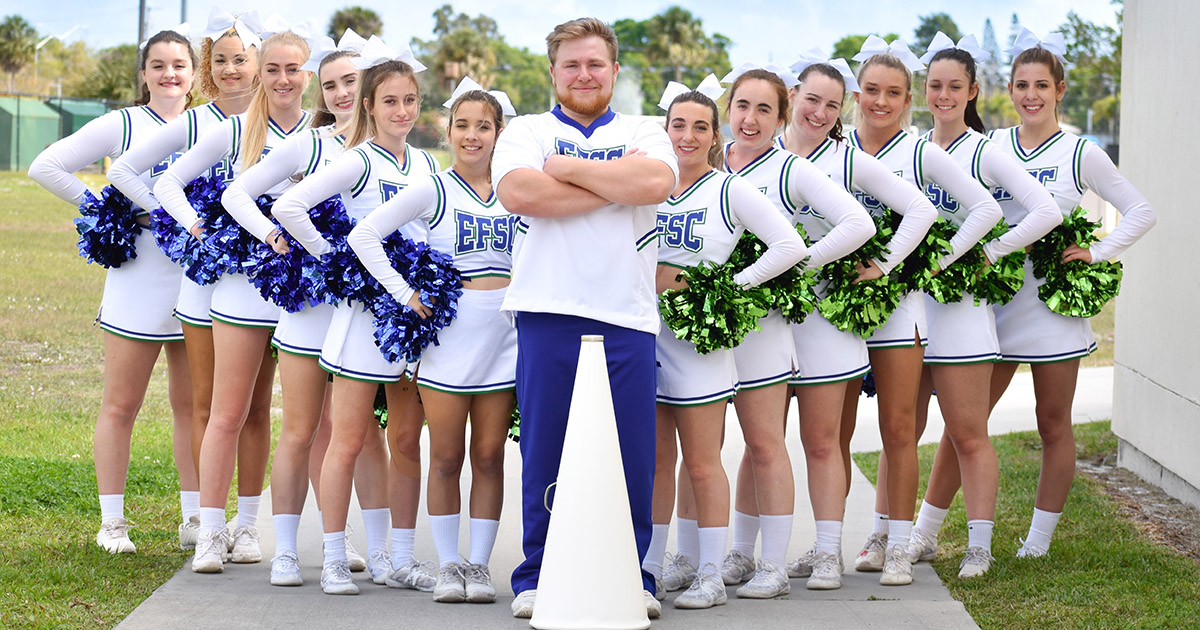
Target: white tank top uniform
{"points": [[177, 137], [365, 177], [477, 353], [139, 296], [302, 332], [768, 357], [234, 301], [1066, 165], [704, 224]]}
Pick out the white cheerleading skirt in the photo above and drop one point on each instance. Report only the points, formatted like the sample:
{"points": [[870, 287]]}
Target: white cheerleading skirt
{"points": [[825, 354], [194, 303], [686, 377], [903, 326], [477, 352], [1029, 332], [140, 295], [350, 351], [303, 332], [236, 301], [766, 357], [961, 332]]}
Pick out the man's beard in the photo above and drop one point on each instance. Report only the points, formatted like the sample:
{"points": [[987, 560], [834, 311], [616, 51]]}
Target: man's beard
{"points": [[589, 108]]}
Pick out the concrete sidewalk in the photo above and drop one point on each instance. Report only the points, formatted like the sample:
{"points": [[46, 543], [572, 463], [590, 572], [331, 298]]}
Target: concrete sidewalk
{"points": [[241, 597]]}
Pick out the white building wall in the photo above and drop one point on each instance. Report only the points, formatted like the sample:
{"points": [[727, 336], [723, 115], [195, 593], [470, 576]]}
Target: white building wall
{"points": [[1156, 396]]}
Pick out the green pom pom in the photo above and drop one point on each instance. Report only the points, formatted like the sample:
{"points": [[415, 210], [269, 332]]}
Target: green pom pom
{"points": [[916, 271], [381, 409], [1075, 288], [792, 292], [864, 306], [713, 312], [514, 429], [995, 284]]}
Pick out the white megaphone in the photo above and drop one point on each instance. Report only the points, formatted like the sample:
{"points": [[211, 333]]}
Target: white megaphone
{"points": [[590, 523]]}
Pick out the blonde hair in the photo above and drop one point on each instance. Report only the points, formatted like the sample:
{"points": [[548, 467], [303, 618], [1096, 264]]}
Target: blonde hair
{"points": [[258, 115], [888, 61], [362, 124], [578, 29]]}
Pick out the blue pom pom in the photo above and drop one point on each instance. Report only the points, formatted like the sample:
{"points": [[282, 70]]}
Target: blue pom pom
{"points": [[107, 228], [400, 333], [297, 279]]}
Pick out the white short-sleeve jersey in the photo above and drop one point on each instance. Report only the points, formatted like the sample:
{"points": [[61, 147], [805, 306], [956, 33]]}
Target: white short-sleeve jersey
{"points": [[599, 265]]}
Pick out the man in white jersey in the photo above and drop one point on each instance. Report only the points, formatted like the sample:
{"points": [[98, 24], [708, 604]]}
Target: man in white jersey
{"points": [[586, 183]]}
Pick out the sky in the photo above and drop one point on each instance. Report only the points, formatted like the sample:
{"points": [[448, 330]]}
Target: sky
{"points": [[759, 32]]}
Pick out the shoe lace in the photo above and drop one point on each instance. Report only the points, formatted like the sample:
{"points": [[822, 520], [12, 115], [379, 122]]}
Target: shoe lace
{"points": [[679, 563], [734, 560], [287, 562], [476, 573], [766, 570], [338, 571], [117, 528], [379, 555], [245, 535], [975, 555]]}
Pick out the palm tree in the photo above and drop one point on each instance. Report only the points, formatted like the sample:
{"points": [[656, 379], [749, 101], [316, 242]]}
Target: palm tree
{"points": [[17, 41], [364, 21], [677, 40]]}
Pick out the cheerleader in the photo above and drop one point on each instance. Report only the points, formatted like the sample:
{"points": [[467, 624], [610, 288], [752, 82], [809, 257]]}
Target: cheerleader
{"points": [[379, 165], [472, 369], [766, 360], [226, 77], [135, 309], [962, 339], [831, 362], [242, 320], [1029, 332], [897, 348]]}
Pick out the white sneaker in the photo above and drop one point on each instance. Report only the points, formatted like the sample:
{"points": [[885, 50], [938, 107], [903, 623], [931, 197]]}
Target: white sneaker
{"points": [[825, 572], [660, 589], [336, 580], [189, 532], [975, 562], [768, 581], [921, 547], [355, 560], [245, 546], [285, 570], [1028, 551], [802, 567], [113, 536], [479, 583], [897, 570], [522, 605], [414, 575], [379, 565], [451, 587], [873, 553], [707, 590], [678, 573], [211, 550], [736, 568], [653, 606]]}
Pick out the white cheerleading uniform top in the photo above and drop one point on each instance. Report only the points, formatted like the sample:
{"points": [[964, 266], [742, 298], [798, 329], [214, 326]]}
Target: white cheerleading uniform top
{"points": [[1067, 165], [704, 223], [174, 139], [220, 142], [476, 233], [110, 135], [365, 176], [296, 158], [793, 184], [598, 265]]}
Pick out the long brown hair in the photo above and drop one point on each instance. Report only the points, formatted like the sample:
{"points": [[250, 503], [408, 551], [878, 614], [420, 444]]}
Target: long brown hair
{"points": [[1044, 57], [829, 71], [362, 124], [163, 37], [258, 115], [322, 116], [716, 157], [781, 91], [971, 113]]}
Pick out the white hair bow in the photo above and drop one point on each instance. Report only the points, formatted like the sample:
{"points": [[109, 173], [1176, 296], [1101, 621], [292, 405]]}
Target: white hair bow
{"points": [[469, 85], [1054, 43], [788, 79], [814, 56], [709, 87], [247, 25], [376, 52], [324, 46], [877, 46], [276, 24], [184, 29], [968, 44]]}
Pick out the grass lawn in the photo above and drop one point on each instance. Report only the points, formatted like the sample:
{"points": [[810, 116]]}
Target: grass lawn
{"points": [[1100, 573]]}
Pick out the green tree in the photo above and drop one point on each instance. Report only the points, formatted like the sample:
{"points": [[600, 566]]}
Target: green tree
{"points": [[1095, 70], [677, 39], [929, 26], [670, 46], [17, 41], [115, 75], [522, 74], [364, 21]]}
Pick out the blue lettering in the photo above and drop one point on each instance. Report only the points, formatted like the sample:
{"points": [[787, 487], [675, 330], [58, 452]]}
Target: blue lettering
{"points": [[1043, 175], [570, 149], [222, 171], [387, 190], [941, 199], [475, 233], [679, 230], [161, 167]]}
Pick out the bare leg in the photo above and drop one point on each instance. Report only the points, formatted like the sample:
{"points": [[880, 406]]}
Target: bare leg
{"points": [[304, 393], [128, 364], [898, 379], [180, 392], [254, 442], [763, 415], [666, 452], [1054, 389]]}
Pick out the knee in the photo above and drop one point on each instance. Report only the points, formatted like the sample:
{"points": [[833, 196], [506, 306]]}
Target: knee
{"points": [[822, 448], [703, 474], [447, 464], [488, 464], [898, 434], [296, 440]]}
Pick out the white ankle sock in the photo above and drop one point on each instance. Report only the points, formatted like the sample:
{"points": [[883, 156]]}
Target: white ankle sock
{"points": [[189, 503], [776, 534], [1041, 528], [829, 537], [687, 540], [112, 506], [653, 563], [979, 533], [444, 528], [880, 524], [248, 510], [899, 532], [403, 541], [287, 528], [375, 526], [930, 519], [712, 547], [483, 539], [335, 547], [212, 518], [745, 532]]}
